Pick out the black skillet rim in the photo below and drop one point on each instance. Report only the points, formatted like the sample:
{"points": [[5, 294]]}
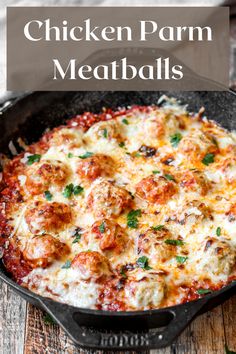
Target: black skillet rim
{"points": [[31, 294]]}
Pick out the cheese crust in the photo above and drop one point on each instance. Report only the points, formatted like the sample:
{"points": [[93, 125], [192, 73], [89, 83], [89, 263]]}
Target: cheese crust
{"points": [[132, 209]]}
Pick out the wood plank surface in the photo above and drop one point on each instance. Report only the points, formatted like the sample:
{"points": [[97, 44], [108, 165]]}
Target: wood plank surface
{"points": [[204, 335], [43, 338], [208, 334], [12, 321], [229, 317]]}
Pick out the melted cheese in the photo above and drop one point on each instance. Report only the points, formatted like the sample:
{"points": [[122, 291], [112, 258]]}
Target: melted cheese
{"points": [[190, 217]]}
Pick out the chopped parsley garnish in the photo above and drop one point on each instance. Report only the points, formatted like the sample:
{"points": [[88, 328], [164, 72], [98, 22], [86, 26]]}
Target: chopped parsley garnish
{"points": [[102, 227], [137, 154], [174, 242], [78, 190], [155, 172], [181, 259], [122, 272], [132, 218], [158, 227], [125, 121], [86, 155], [77, 235], [208, 158], [68, 190], [142, 262], [48, 320], [77, 238], [71, 189], [105, 134], [33, 158], [218, 231], [122, 144], [66, 265], [70, 155], [175, 139], [169, 177], [204, 291], [48, 195]]}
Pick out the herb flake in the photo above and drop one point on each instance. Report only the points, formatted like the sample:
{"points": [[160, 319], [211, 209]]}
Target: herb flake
{"points": [[174, 242], [137, 154], [175, 139], [77, 234], [48, 195], [105, 133], [122, 144], [102, 227], [122, 273], [86, 155], [218, 231], [68, 190], [208, 159], [155, 172], [125, 121], [142, 262], [77, 238], [33, 158], [158, 227], [132, 218], [204, 291], [66, 265], [78, 190], [71, 189], [181, 259], [169, 177]]}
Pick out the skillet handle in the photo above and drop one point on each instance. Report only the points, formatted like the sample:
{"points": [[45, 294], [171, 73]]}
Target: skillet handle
{"points": [[86, 337]]}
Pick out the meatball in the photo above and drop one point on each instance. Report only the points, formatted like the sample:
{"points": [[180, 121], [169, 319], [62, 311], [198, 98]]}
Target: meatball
{"points": [[106, 199], [41, 175], [106, 130], [154, 127], [66, 137], [144, 290], [47, 217], [191, 212], [152, 243], [160, 124], [91, 264], [42, 250], [215, 258], [196, 145], [228, 169], [94, 167], [194, 181], [109, 235], [156, 189]]}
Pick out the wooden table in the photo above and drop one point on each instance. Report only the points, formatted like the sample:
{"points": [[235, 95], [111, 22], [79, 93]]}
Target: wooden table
{"points": [[23, 330]]}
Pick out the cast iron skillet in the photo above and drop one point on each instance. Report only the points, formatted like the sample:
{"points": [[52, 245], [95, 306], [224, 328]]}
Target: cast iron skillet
{"points": [[28, 117]]}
